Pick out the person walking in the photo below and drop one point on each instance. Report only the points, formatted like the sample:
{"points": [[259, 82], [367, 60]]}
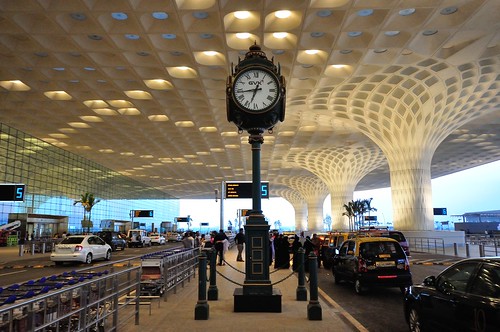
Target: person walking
{"points": [[219, 245], [240, 243]]}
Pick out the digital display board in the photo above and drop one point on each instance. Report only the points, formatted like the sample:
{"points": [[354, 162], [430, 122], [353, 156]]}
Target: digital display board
{"points": [[143, 213], [12, 192], [440, 212], [244, 189]]}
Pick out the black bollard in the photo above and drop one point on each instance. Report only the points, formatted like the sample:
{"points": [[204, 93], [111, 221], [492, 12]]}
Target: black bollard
{"points": [[313, 308], [213, 291], [201, 309], [301, 288]]}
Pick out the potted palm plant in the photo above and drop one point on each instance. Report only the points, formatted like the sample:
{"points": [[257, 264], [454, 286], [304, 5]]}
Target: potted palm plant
{"points": [[88, 201]]}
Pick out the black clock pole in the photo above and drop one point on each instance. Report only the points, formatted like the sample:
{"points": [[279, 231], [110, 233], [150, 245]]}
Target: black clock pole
{"points": [[255, 103]]}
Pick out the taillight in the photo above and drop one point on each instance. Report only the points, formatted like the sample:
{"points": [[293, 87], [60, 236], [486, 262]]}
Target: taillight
{"points": [[362, 265], [78, 248]]}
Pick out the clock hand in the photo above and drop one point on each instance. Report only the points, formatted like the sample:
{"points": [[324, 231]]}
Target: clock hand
{"points": [[248, 90], [255, 91]]}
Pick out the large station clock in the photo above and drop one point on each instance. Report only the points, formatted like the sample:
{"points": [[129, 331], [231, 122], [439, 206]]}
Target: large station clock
{"points": [[256, 89]]}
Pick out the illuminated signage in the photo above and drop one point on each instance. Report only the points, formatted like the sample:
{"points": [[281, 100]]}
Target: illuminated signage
{"points": [[143, 213], [244, 189], [12, 192]]}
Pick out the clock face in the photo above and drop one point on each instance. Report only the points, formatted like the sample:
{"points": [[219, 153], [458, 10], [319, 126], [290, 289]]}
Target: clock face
{"points": [[255, 90]]}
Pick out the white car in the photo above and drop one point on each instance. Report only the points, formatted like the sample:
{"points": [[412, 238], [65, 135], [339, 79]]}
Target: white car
{"points": [[138, 238], [81, 248], [157, 238]]}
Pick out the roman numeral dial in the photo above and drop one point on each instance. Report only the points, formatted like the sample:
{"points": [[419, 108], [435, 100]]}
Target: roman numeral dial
{"points": [[256, 90]]}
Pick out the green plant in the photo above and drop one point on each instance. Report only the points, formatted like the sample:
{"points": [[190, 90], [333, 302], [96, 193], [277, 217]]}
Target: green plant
{"points": [[88, 201]]}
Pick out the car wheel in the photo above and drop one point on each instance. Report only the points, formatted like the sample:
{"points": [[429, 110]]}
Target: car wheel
{"points": [[414, 320], [358, 287], [336, 277], [113, 247], [108, 255], [88, 259]]}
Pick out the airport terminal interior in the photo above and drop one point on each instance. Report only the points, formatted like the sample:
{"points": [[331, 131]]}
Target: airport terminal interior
{"points": [[127, 100]]}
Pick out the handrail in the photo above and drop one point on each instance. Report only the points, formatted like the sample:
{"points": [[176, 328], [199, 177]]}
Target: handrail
{"points": [[426, 244]]}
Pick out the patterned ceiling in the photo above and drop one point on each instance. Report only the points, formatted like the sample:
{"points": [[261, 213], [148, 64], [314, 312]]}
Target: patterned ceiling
{"points": [[138, 86]]}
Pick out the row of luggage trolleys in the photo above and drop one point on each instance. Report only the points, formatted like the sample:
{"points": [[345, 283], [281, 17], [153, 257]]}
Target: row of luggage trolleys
{"points": [[50, 309], [164, 270]]}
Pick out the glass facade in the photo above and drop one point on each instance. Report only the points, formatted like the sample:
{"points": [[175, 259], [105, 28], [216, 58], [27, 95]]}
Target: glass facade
{"points": [[55, 178]]}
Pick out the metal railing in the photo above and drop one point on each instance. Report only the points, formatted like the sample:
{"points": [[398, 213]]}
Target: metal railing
{"points": [[488, 245], [100, 298], [425, 244]]}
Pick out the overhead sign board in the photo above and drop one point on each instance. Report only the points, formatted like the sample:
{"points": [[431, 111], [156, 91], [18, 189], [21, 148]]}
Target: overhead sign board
{"points": [[12, 192], [440, 212], [244, 189], [143, 213]]}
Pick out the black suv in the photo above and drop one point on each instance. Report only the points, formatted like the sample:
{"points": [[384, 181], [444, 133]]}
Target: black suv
{"points": [[114, 239]]}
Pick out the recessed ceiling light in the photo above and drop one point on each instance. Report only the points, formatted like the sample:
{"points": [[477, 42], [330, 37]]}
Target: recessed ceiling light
{"points": [[391, 33], [42, 54], [365, 12], [200, 15], [206, 35], [176, 53], [407, 11], [142, 53], [380, 50], [119, 16], [317, 34], [307, 66], [242, 14], [354, 33], [169, 36], [324, 13], [429, 32], [59, 68], [283, 13], [210, 53], [338, 66], [345, 51], [278, 52], [242, 35], [78, 16], [280, 35], [448, 10], [89, 68], [131, 36], [95, 37], [312, 52], [160, 15]]}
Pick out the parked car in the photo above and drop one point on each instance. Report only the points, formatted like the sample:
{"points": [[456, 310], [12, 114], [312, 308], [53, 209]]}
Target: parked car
{"points": [[464, 297], [157, 238], [114, 239], [385, 232], [174, 237], [372, 261], [332, 241], [81, 248], [138, 238], [400, 237]]}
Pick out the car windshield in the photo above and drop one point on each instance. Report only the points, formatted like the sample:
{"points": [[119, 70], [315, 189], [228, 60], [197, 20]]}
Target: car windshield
{"points": [[373, 249], [73, 240], [397, 236]]}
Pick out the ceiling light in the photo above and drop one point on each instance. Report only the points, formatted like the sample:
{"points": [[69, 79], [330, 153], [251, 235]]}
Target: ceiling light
{"points": [[312, 52], [200, 15], [391, 33], [129, 111], [142, 53], [354, 33], [283, 13], [429, 32], [14, 85], [380, 50], [58, 68], [317, 34], [206, 36], [280, 35], [119, 16], [89, 68], [176, 53], [448, 10], [278, 52], [169, 36], [160, 15], [81, 125], [324, 13], [345, 51], [365, 12], [242, 35], [208, 129], [94, 37], [242, 14], [338, 66], [407, 11], [91, 118], [78, 16], [57, 95], [184, 124], [131, 36], [158, 118], [210, 53]]}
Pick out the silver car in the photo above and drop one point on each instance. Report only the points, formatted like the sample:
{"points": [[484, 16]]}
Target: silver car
{"points": [[81, 248]]}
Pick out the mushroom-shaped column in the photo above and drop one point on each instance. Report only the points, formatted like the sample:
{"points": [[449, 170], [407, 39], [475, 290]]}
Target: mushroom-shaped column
{"points": [[408, 111], [314, 191], [341, 168], [299, 204]]}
